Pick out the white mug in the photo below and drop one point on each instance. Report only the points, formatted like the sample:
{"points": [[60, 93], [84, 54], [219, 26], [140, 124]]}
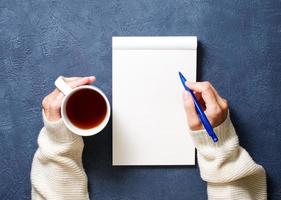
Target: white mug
{"points": [[68, 91]]}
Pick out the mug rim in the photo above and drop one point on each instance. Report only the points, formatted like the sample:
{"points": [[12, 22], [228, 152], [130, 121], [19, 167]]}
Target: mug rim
{"points": [[80, 131]]}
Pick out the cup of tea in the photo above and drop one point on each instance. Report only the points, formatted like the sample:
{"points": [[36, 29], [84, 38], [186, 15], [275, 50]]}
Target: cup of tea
{"points": [[85, 110]]}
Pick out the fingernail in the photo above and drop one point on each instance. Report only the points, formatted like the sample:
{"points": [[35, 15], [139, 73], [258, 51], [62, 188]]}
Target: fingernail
{"points": [[92, 78]]}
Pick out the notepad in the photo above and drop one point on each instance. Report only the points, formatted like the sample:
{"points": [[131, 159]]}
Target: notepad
{"points": [[149, 122]]}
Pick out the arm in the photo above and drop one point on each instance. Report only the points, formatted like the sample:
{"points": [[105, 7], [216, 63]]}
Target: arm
{"points": [[57, 171], [228, 169]]}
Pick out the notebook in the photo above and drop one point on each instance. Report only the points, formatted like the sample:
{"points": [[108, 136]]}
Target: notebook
{"points": [[149, 122]]}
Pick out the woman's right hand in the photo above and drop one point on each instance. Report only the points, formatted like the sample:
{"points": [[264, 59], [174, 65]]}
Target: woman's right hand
{"points": [[215, 107]]}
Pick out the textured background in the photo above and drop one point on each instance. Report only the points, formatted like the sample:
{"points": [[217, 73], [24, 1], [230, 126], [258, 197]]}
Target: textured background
{"points": [[239, 52]]}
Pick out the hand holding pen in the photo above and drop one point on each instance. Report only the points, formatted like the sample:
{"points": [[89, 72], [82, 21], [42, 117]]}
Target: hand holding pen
{"points": [[213, 105]]}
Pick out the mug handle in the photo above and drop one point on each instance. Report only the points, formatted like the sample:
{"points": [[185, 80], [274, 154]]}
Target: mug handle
{"points": [[62, 86]]}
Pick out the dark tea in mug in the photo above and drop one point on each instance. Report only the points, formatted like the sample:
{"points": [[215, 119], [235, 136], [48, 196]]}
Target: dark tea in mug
{"points": [[86, 108]]}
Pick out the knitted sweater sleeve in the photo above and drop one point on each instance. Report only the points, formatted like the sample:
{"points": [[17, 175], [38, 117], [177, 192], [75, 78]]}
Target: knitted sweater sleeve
{"points": [[57, 171], [228, 169]]}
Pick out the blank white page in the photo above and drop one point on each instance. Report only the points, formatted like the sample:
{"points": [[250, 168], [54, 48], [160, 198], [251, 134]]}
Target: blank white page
{"points": [[149, 122]]}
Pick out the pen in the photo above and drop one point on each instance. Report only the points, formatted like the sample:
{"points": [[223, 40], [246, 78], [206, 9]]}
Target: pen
{"points": [[203, 118]]}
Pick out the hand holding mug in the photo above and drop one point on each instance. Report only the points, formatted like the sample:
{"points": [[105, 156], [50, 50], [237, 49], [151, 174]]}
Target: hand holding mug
{"points": [[52, 102], [84, 109]]}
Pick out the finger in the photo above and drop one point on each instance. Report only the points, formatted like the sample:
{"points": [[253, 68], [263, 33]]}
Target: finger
{"points": [[55, 107], [198, 86], [206, 92], [92, 79], [55, 93], [59, 98], [192, 117], [56, 96], [209, 98], [55, 99], [75, 82], [45, 102], [69, 79], [49, 98], [82, 81], [222, 102]]}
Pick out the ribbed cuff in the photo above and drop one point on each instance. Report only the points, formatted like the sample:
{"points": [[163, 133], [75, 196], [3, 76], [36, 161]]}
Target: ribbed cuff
{"points": [[224, 132], [57, 131]]}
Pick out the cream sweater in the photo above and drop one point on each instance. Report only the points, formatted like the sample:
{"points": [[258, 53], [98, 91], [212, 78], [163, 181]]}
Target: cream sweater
{"points": [[57, 170]]}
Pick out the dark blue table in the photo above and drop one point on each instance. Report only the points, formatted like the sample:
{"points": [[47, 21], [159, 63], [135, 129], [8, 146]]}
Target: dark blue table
{"points": [[239, 52]]}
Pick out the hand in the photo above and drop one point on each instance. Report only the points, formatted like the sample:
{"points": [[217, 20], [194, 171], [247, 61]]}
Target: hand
{"points": [[215, 107], [52, 102]]}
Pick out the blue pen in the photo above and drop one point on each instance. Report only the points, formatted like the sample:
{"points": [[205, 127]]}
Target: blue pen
{"points": [[203, 118]]}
